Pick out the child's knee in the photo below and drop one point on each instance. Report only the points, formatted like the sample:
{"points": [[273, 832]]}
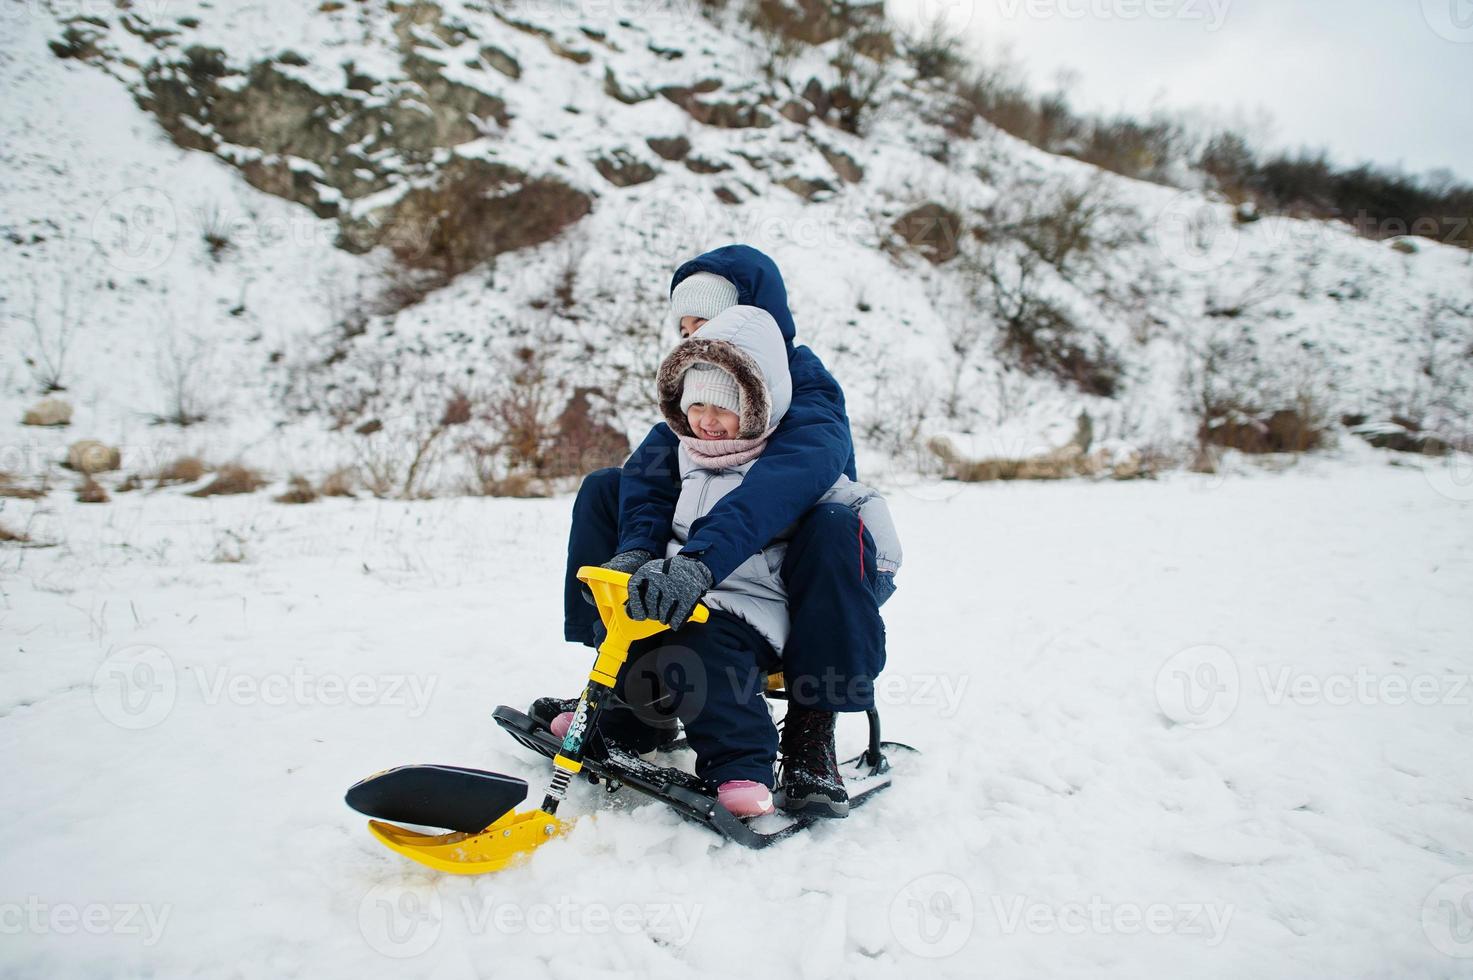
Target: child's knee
{"points": [[598, 491]]}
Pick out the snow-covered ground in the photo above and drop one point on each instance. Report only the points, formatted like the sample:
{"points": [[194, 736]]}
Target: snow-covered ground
{"points": [[1199, 726]]}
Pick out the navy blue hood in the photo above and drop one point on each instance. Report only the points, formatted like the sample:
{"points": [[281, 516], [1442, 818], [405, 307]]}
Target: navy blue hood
{"points": [[755, 276]]}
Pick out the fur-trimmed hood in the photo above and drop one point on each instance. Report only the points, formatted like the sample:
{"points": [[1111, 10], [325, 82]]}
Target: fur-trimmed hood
{"points": [[745, 342]]}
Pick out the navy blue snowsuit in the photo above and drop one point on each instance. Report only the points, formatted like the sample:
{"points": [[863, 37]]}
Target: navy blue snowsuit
{"points": [[837, 643]]}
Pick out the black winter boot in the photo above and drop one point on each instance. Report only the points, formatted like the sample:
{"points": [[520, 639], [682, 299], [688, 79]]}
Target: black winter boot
{"points": [[618, 726], [546, 709], [810, 781]]}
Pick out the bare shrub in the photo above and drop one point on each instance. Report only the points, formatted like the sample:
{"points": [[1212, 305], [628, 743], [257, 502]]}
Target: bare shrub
{"points": [[53, 332], [1441, 393], [457, 412], [901, 397], [1039, 336], [629, 339], [230, 548], [183, 368], [996, 93], [563, 297], [1143, 150], [1230, 161], [861, 78], [1057, 222], [1239, 404], [935, 50], [811, 21], [380, 466], [520, 413], [215, 230], [584, 440]]}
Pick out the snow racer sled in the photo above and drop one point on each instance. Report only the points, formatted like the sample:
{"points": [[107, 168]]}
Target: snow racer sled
{"points": [[476, 807]]}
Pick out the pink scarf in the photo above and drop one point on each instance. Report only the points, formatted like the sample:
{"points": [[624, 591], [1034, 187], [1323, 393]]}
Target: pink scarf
{"points": [[723, 454]]}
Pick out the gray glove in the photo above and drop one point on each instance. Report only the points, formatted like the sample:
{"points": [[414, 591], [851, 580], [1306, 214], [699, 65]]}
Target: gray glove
{"points": [[884, 587], [667, 591], [624, 561], [628, 561]]}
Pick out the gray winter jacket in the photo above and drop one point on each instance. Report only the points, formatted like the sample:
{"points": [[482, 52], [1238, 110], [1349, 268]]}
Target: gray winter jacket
{"points": [[746, 342]]}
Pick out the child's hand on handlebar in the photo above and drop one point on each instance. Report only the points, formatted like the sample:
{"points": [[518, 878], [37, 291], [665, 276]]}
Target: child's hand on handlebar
{"points": [[667, 591]]}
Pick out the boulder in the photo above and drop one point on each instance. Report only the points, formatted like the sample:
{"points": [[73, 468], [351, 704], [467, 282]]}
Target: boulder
{"points": [[669, 147], [844, 165], [931, 229], [808, 188], [623, 169], [90, 456], [48, 411]]}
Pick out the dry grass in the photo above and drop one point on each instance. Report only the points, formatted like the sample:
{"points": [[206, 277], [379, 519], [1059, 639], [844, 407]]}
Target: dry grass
{"points": [[339, 483], [299, 490], [92, 492], [185, 469], [8, 536], [8, 488], [1062, 463], [231, 479]]}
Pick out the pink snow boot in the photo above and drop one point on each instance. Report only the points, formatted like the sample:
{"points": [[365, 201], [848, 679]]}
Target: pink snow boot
{"points": [[561, 724], [745, 798]]}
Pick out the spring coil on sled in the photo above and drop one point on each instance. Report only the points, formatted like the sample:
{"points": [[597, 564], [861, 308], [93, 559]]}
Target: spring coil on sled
{"points": [[559, 787]]}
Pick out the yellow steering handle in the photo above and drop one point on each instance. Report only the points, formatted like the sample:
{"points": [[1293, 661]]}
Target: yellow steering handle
{"points": [[610, 591]]}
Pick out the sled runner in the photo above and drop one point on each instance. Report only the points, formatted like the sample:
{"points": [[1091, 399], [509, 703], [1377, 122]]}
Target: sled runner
{"points": [[477, 807]]}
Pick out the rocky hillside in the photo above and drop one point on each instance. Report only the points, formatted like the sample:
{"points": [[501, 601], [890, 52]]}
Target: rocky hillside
{"points": [[427, 245]]}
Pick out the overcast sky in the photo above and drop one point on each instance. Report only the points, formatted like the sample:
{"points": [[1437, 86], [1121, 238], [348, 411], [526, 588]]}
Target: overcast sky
{"points": [[1390, 81]]}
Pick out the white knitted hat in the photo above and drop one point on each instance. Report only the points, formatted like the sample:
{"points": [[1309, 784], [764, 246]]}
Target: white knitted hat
{"points": [[702, 294], [709, 385]]}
